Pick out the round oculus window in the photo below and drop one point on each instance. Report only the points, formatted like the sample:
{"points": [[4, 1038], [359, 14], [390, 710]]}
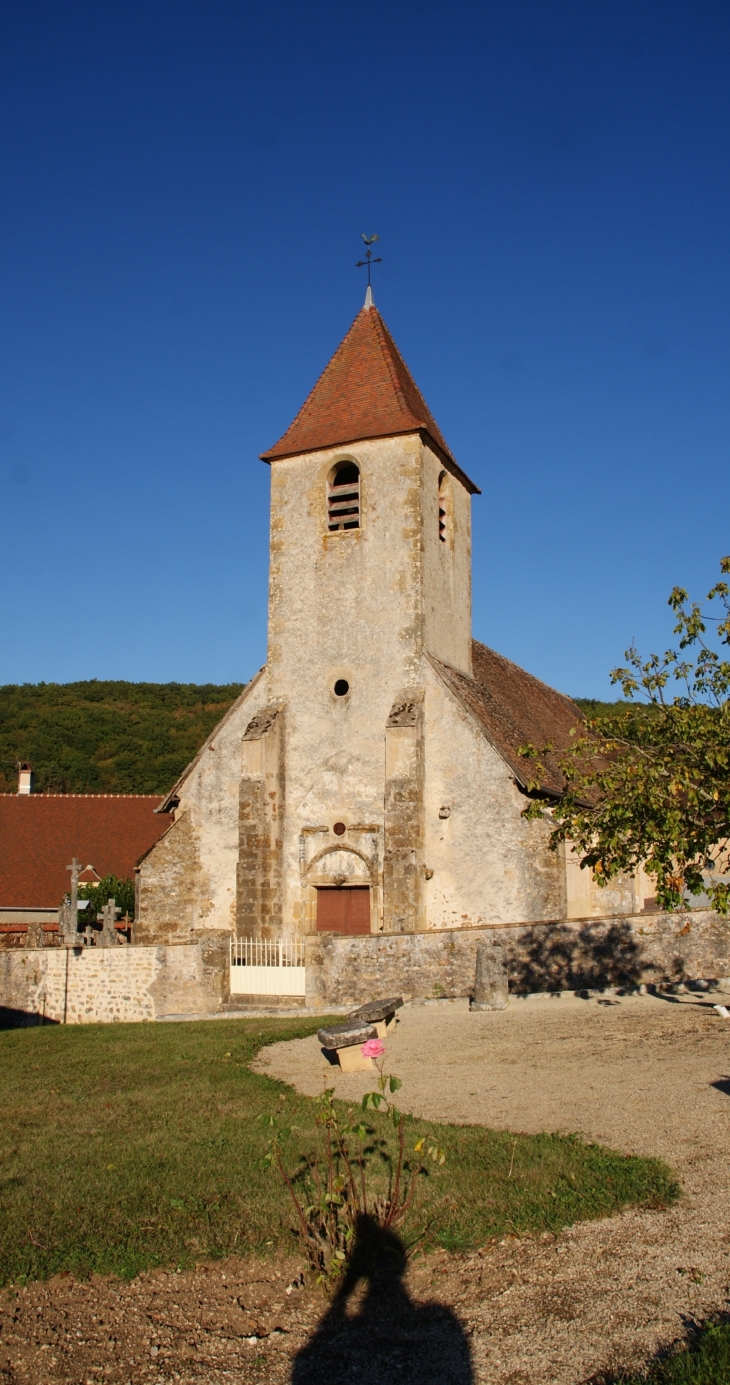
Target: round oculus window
{"points": [[342, 687], [339, 829]]}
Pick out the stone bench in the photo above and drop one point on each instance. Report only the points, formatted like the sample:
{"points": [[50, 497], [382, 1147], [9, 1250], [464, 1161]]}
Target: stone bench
{"points": [[346, 1040], [371, 1021], [381, 1013]]}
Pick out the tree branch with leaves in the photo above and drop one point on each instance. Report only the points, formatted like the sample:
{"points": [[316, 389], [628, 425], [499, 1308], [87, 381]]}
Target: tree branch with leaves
{"points": [[649, 784]]}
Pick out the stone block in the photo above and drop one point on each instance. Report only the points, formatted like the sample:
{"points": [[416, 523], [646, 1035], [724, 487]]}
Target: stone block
{"points": [[491, 983], [338, 1036], [376, 1010], [352, 1060]]}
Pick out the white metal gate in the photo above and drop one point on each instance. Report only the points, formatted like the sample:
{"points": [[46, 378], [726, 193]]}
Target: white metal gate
{"points": [[267, 966]]}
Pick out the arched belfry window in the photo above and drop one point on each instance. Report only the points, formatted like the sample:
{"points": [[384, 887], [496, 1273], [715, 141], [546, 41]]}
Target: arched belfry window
{"points": [[343, 497], [445, 508]]}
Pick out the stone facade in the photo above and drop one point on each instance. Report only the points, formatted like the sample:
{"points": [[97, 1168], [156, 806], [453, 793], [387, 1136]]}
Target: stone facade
{"points": [[366, 757], [490, 865], [403, 815], [432, 813], [166, 901], [351, 606], [187, 883]]}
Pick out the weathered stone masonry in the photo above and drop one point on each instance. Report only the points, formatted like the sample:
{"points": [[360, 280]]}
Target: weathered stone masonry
{"points": [[585, 954], [403, 909], [261, 812], [103, 985], [106, 985], [167, 898]]}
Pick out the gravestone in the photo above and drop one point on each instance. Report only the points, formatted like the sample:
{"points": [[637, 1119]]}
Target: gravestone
{"points": [[34, 936], [108, 936], [68, 925], [68, 914], [336, 1036], [381, 1013], [376, 1010], [491, 983]]}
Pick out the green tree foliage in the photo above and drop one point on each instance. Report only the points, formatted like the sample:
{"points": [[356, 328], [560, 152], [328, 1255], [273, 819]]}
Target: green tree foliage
{"points": [[592, 707], [650, 782], [110, 887], [106, 737]]}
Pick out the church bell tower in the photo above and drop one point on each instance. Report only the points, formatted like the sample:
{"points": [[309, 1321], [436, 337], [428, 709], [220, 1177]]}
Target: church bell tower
{"points": [[370, 572]]}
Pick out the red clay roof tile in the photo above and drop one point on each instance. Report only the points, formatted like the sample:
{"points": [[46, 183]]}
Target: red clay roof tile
{"points": [[366, 391], [515, 709], [39, 834]]}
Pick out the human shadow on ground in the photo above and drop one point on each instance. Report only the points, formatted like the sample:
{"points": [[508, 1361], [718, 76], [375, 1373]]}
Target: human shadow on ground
{"points": [[387, 1338], [722, 1085]]}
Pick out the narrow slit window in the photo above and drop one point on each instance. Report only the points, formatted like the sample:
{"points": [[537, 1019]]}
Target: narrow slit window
{"points": [[444, 508], [343, 498]]}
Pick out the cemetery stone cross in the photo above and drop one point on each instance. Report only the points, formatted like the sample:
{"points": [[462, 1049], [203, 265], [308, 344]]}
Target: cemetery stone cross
{"points": [[74, 869], [68, 918], [108, 935]]}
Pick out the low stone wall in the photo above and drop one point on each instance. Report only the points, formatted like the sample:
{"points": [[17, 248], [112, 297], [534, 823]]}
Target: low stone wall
{"points": [[105, 984], [100, 985], [589, 953]]}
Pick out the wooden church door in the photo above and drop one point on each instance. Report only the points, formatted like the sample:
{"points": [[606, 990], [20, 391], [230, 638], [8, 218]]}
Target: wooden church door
{"points": [[343, 910]]}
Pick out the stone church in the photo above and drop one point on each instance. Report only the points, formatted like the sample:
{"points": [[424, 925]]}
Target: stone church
{"points": [[368, 781]]}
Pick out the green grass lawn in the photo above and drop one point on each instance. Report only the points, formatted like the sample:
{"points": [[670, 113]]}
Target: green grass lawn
{"points": [[128, 1146], [704, 1360]]}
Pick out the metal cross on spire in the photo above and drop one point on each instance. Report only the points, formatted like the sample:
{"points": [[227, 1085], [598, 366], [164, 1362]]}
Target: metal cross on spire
{"points": [[368, 261]]}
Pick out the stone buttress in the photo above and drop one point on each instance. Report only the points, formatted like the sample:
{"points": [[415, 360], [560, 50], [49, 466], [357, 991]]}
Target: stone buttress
{"points": [[261, 812]]}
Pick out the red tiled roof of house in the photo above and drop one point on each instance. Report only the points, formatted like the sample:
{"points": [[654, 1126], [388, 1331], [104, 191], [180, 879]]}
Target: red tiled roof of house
{"points": [[515, 709], [366, 391], [40, 833], [89, 876]]}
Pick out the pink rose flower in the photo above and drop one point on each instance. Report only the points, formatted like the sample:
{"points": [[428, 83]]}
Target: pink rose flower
{"points": [[374, 1048]]}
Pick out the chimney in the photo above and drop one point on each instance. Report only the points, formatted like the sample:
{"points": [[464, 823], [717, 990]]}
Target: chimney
{"points": [[25, 777]]}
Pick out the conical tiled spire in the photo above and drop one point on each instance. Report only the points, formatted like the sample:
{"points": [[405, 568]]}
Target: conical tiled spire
{"points": [[366, 391]]}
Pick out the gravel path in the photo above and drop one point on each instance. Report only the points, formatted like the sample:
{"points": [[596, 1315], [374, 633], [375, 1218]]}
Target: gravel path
{"points": [[644, 1074]]}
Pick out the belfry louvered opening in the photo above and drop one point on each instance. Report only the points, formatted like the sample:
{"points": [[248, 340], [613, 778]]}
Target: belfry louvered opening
{"points": [[343, 497], [445, 508]]}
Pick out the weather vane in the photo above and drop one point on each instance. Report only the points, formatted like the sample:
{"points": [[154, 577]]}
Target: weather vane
{"points": [[369, 240]]}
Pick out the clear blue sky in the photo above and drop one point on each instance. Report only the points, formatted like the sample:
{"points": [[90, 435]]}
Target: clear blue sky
{"points": [[184, 186]]}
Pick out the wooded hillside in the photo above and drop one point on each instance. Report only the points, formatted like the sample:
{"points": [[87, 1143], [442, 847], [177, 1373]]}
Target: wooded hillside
{"points": [[115, 737], [106, 737], [592, 707]]}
